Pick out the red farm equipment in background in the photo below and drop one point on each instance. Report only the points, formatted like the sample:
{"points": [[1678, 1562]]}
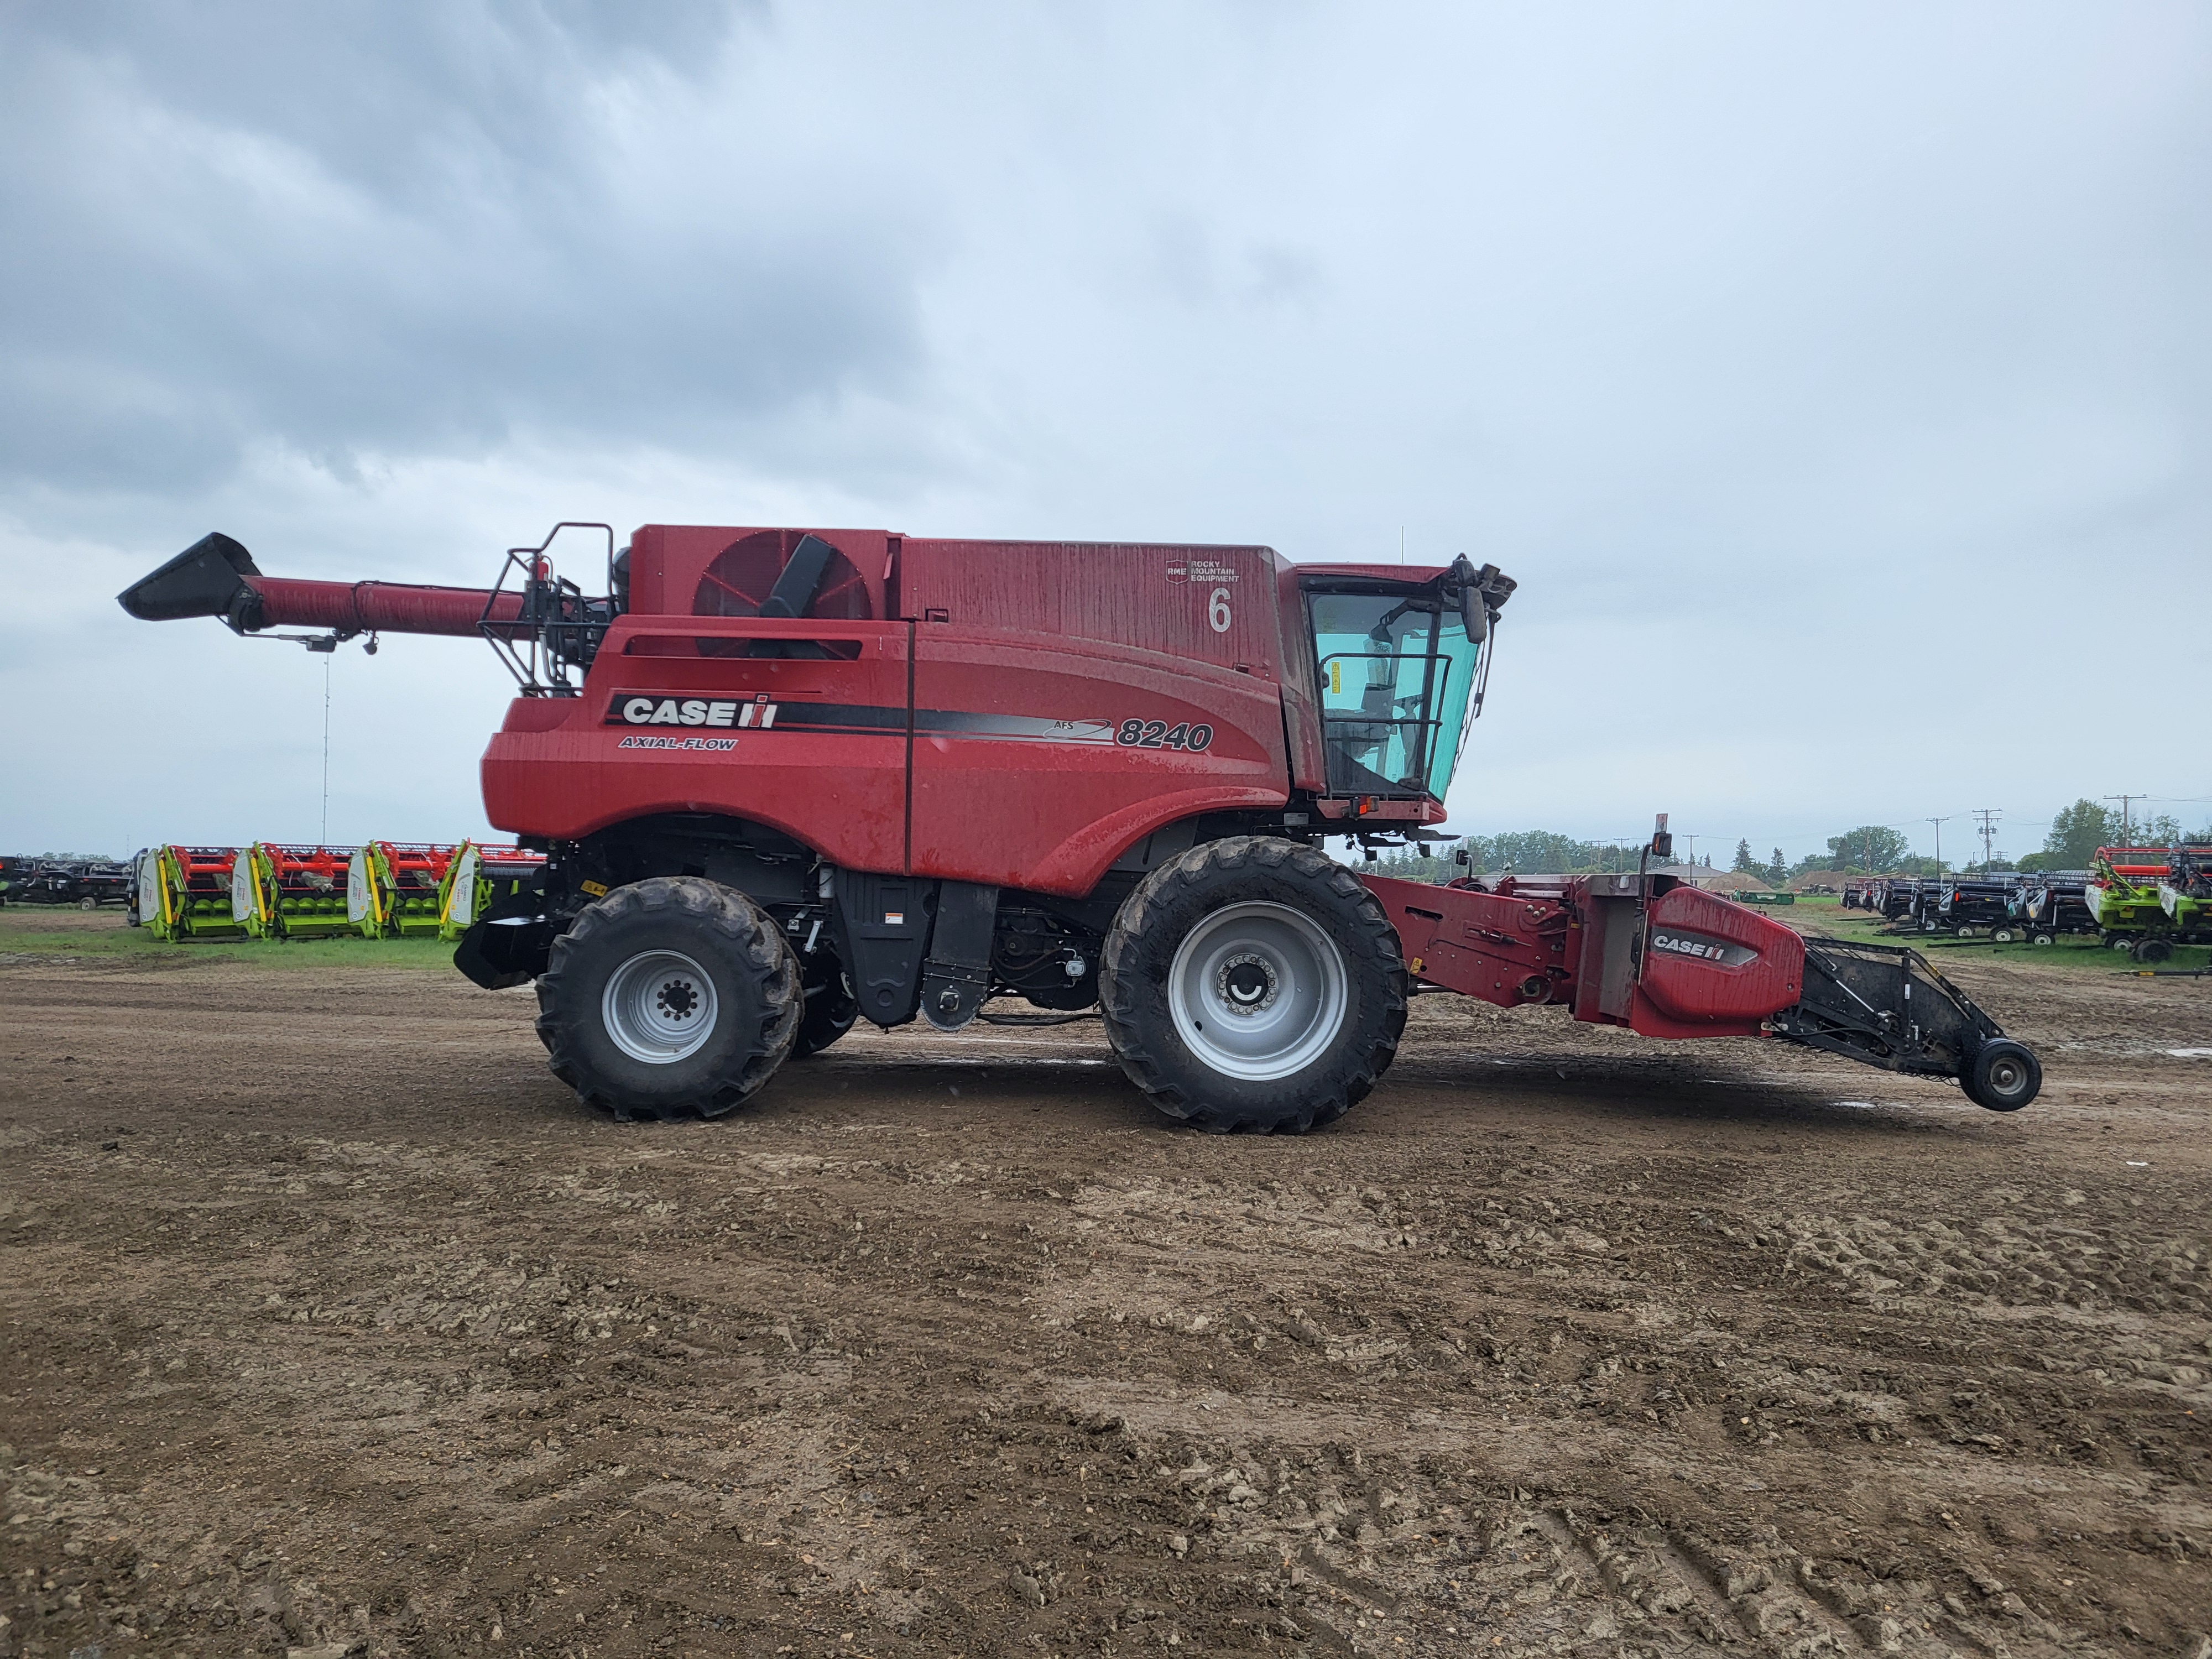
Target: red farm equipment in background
{"points": [[784, 779]]}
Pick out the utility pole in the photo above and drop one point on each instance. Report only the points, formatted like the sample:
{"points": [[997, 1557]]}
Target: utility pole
{"points": [[1987, 814], [328, 659], [2127, 823], [1939, 824]]}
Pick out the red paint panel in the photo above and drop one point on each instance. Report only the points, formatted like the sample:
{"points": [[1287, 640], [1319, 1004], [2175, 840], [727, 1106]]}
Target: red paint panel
{"points": [[841, 792], [1206, 605], [1014, 800], [1301, 677], [1708, 961]]}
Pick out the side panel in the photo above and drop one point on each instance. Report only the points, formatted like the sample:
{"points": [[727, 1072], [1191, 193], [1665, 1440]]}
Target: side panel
{"points": [[815, 747], [1301, 707], [1201, 604], [1020, 781], [1711, 968], [1506, 950], [1605, 984]]}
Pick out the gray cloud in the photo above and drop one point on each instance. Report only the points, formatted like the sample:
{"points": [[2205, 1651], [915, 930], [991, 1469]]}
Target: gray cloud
{"points": [[414, 229]]}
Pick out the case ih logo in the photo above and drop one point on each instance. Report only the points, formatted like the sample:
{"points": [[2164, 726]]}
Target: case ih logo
{"points": [[1701, 949], [640, 708]]}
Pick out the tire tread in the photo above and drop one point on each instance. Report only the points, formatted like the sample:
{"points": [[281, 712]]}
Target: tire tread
{"points": [[1121, 987], [760, 948]]}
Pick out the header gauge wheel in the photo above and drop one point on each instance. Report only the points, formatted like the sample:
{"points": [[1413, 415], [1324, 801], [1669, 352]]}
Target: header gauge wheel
{"points": [[2003, 1075], [1253, 983], [668, 997]]}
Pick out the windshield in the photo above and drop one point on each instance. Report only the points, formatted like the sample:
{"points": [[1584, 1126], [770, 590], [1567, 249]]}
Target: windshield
{"points": [[1395, 675]]}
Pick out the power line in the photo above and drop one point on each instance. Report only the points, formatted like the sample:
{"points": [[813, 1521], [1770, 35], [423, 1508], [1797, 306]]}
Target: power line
{"points": [[1989, 833]]}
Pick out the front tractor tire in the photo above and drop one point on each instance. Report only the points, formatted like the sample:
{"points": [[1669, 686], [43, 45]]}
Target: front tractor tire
{"points": [[1253, 983], [668, 997]]}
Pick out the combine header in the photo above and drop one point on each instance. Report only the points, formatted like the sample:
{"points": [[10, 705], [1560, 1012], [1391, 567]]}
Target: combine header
{"points": [[280, 891], [2146, 900], [2054, 904], [185, 892], [2185, 895], [398, 889], [479, 878], [784, 779]]}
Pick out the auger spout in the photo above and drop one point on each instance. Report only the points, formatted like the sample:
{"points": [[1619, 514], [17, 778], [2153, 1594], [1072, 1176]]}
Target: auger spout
{"points": [[217, 577]]}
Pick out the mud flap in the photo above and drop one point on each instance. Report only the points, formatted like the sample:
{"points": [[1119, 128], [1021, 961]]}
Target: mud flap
{"points": [[1888, 1007], [957, 978]]}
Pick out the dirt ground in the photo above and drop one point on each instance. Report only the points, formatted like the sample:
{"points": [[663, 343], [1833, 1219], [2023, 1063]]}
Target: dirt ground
{"points": [[330, 1322]]}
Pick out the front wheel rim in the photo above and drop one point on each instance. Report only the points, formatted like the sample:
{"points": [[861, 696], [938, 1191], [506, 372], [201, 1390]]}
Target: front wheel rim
{"points": [[1257, 991], [659, 1007]]}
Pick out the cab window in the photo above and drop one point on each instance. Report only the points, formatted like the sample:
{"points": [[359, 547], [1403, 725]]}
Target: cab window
{"points": [[1396, 671]]}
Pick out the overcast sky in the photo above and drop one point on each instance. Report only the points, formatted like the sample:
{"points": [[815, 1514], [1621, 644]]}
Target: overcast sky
{"points": [[1835, 380]]}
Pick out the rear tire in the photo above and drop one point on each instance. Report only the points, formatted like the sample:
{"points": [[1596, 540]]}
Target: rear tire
{"points": [[1253, 983], [2152, 950], [88, 904], [2003, 1075], [667, 997]]}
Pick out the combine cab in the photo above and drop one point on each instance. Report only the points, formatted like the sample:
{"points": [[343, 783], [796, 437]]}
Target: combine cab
{"points": [[783, 779], [185, 892], [398, 889], [280, 891]]}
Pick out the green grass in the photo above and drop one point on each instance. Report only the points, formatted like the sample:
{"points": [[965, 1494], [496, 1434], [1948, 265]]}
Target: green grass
{"points": [[40, 931]]}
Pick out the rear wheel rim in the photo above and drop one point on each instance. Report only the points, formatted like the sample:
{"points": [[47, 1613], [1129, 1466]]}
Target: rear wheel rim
{"points": [[2006, 1076], [1257, 991], [659, 1007]]}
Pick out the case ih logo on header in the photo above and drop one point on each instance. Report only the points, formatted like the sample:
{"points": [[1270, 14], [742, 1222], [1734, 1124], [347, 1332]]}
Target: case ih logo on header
{"points": [[638, 709], [1701, 949]]}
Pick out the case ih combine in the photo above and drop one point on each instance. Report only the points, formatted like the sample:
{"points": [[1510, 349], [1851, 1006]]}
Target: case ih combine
{"points": [[787, 778]]}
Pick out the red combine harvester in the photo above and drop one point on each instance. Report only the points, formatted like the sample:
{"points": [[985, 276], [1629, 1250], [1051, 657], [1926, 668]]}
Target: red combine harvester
{"points": [[787, 778]]}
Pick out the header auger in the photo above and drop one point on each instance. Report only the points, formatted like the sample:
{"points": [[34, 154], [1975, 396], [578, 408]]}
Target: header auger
{"points": [[782, 779]]}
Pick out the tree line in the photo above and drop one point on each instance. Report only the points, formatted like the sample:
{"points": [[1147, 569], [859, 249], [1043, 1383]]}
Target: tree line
{"points": [[2075, 834]]}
